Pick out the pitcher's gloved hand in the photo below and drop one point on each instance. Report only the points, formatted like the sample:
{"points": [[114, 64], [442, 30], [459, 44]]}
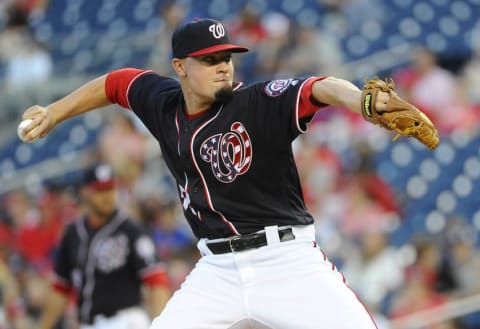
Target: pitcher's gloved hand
{"points": [[398, 115]]}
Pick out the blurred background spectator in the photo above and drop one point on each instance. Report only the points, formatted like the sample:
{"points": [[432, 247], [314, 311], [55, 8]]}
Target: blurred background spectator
{"points": [[371, 197], [27, 62], [127, 161], [437, 92], [171, 13]]}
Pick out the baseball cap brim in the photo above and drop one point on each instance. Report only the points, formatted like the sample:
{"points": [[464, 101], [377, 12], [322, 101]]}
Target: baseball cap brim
{"points": [[217, 48]]}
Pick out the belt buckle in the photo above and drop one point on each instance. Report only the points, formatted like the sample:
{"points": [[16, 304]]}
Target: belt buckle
{"points": [[230, 245]]}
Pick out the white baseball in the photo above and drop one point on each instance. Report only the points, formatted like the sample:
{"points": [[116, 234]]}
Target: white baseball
{"points": [[21, 127]]}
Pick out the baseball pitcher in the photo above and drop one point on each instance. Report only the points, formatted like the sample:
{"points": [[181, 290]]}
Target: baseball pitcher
{"points": [[228, 146]]}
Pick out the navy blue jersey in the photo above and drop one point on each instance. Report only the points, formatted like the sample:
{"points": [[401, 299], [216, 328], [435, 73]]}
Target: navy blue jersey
{"points": [[233, 165], [106, 266]]}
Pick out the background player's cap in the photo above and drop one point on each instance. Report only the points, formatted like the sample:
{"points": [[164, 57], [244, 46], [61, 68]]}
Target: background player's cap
{"points": [[99, 177], [202, 37]]}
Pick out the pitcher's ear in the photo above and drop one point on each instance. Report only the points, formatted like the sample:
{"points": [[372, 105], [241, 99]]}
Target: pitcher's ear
{"points": [[179, 67]]}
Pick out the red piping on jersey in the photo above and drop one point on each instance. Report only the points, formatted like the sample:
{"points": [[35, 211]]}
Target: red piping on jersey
{"points": [[204, 183], [196, 115], [238, 85], [118, 83]]}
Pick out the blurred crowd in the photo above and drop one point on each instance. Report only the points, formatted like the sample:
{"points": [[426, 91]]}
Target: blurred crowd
{"points": [[25, 60], [356, 210]]}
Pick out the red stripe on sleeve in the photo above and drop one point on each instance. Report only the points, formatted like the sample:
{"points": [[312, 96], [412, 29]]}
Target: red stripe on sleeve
{"points": [[117, 84], [156, 278], [307, 105]]}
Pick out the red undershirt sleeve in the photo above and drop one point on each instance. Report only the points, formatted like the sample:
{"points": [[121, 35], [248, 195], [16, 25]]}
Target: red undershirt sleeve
{"points": [[308, 105], [118, 83], [156, 278]]}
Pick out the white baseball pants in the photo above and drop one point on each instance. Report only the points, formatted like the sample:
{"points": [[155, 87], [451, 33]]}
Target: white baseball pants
{"points": [[129, 318], [284, 285]]}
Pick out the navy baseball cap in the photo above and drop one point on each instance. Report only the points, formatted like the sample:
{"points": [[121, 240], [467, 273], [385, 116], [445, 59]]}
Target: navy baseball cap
{"points": [[202, 37], [99, 177]]}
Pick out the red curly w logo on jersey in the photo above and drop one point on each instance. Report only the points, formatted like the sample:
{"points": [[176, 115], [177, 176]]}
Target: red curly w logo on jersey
{"points": [[229, 154]]}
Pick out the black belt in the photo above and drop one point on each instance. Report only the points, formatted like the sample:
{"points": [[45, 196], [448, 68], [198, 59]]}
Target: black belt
{"points": [[248, 241]]}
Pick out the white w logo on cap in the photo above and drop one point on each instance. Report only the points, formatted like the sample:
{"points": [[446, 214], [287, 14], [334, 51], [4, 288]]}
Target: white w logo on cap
{"points": [[217, 30]]}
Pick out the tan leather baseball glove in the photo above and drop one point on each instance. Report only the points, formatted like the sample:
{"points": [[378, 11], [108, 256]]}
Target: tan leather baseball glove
{"points": [[399, 115]]}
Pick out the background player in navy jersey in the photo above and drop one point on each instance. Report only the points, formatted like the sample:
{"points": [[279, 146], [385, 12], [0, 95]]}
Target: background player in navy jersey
{"points": [[107, 258], [229, 149]]}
